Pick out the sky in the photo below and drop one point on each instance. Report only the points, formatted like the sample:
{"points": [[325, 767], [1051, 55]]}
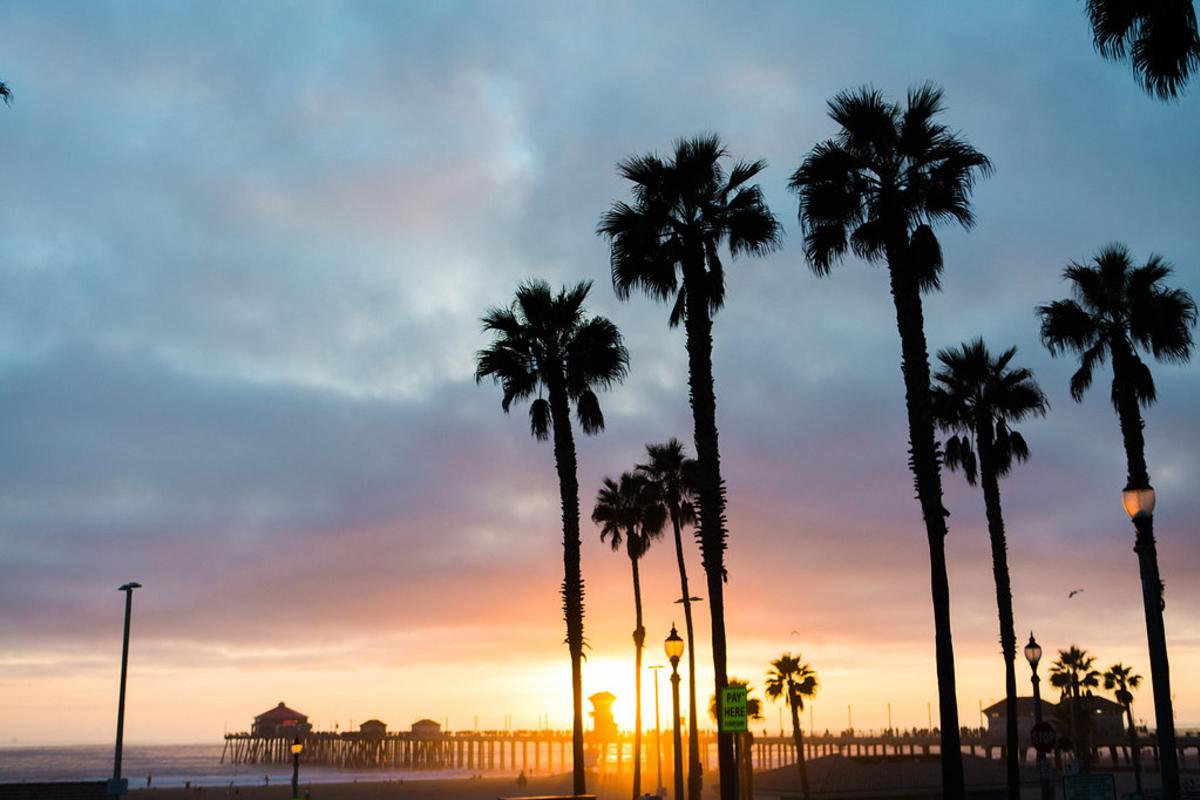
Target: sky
{"points": [[244, 249]]}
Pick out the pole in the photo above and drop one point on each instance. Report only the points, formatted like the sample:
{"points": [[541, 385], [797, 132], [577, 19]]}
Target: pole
{"points": [[295, 771], [128, 590], [678, 737], [849, 718], [889, 717], [929, 713], [1043, 764], [657, 730]]}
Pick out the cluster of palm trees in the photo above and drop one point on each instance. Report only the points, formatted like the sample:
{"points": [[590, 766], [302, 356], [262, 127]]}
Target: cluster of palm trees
{"points": [[1074, 673], [877, 188]]}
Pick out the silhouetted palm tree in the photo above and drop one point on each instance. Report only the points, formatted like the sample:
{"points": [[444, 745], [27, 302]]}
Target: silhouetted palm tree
{"points": [[1117, 310], [793, 680], [976, 399], [544, 342], [876, 189], [1123, 679], [1159, 36], [1073, 672], [683, 211], [674, 473], [5, 93], [631, 511]]}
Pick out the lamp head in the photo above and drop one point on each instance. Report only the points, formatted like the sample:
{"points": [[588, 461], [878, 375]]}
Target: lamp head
{"points": [[297, 746], [673, 647], [129, 587], [1033, 651], [1139, 501]]}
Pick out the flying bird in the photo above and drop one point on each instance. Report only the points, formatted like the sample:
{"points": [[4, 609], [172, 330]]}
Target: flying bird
{"points": [[1075, 592]]}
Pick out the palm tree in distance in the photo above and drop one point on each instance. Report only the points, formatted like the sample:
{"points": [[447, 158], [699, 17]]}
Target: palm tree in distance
{"points": [[1123, 680], [1160, 38], [876, 189], [1117, 310], [684, 209], [976, 399], [5, 93], [673, 473], [629, 510], [1073, 672], [544, 343], [793, 680]]}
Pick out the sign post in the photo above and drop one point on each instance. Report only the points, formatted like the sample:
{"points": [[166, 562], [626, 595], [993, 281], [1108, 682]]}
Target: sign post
{"points": [[734, 719]]}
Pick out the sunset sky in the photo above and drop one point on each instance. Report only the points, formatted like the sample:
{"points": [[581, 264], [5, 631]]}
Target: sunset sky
{"points": [[244, 249]]}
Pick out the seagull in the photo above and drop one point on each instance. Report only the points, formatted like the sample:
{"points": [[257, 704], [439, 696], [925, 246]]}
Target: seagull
{"points": [[794, 633], [1075, 592]]}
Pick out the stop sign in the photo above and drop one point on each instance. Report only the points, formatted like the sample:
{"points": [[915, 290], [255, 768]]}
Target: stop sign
{"points": [[1043, 737]]}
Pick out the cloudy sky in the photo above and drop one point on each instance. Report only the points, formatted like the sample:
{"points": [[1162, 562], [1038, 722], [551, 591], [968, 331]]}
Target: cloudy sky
{"points": [[244, 250]]}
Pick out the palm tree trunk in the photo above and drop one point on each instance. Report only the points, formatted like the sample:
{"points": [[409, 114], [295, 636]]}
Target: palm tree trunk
{"points": [[572, 587], [1008, 634], [710, 491], [798, 737], [693, 786], [1134, 755], [924, 460], [1130, 418], [639, 639]]}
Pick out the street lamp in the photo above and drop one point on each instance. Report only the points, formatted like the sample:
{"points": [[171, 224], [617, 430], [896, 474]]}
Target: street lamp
{"points": [[674, 649], [1139, 501], [297, 746], [1033, 654], [657, 732], [116, 786]]}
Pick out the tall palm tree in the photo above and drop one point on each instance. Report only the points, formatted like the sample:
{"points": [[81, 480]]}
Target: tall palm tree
{"points": [[630, 511], [877, 188], [976, 399], [673, 473], [1123, 679], [668, 243], [1073, 672], [1159, 36], [544, 343], [1117, 310], [793, 679]]}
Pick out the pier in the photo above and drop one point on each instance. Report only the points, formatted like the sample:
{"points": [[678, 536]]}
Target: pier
{"points": [[550, 751]]}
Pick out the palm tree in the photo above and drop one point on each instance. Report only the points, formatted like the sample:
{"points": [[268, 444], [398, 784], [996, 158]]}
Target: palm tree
{"points": [[877, 188], [683, 211], [544, 343], [1123, 679], [5, 93], [793, 679], [1117, 310], [629, 510], [976, 399], [1160, 38], [674, 474], [1073, 672]]}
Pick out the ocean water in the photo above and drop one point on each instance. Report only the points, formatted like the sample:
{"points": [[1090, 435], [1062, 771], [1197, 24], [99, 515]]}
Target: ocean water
{"points": [[175, 765]]}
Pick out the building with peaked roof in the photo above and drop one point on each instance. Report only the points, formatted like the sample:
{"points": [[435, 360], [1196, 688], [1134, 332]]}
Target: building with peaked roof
{"points": [[280, 721], [373, 729], [1104, 717], [426, 729]]}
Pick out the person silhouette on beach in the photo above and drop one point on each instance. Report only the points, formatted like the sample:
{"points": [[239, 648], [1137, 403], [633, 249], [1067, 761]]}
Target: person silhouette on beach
{"points": [[149, 778]]}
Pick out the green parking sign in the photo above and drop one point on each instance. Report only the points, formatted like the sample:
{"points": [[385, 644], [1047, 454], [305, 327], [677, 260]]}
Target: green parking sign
{"points": [[733, 709]]}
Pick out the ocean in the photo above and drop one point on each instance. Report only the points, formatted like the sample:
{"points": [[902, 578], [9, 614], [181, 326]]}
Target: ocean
{"points": [[175, 765]]}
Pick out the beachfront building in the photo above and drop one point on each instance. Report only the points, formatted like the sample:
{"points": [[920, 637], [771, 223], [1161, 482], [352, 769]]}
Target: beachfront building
{"points": [[1105, 718], [280, 721], [426, 729], [604, 727], [373, 729]]}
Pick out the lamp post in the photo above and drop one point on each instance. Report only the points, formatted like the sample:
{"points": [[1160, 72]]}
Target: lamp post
{"points": [[297, 747], [657, 731], [116, 785], [1139, 501], [674, 649], [1033, 654], [694, 787]]}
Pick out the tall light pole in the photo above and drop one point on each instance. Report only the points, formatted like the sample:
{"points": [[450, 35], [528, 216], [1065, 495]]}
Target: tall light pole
{"points": [[116, 785], [694, 768], [1033, 654], [297, 747], [1139, 502], [674, 649], [657, 731]]}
